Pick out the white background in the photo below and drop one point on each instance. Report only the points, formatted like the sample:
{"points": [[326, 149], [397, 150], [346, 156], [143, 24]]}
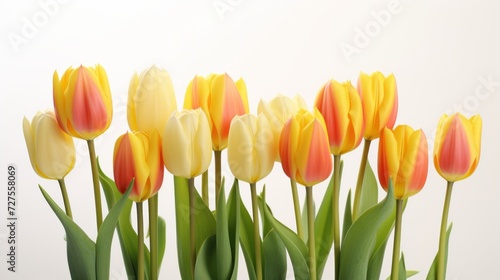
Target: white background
{"points": [[444, 54]]}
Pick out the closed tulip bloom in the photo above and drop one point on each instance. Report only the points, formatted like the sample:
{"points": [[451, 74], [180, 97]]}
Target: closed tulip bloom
{"points": [[277, 111], [197, 94], [341, 107], [457, 146], [82, 101], [250, 148], [304, 149], [403, 156], [187, 148], [379, 96], [51, 151], [151, 100], [227, 100], [138, 155]]}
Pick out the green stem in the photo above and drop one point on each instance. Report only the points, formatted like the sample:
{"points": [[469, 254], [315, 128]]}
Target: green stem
{"points": [[296, 208], [192, 228], [218, 177], [64, 193], [359, 184], [204, 188], [310, 226], [256, 232], [336, 219], [95, 179], [441, 265], [397, 240], [153, 236], [140, 242]]}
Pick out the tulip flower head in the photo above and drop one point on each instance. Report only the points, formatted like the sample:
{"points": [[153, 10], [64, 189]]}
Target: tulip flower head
{"points": [[151, 100], [250, 149], [82, 101], [342, 110], [379, 96], [304, 149], [197, 94], [187, 148], [458, 146], [277, 111], [226, 100], [403, 156], [52, 152], [138, 155]]}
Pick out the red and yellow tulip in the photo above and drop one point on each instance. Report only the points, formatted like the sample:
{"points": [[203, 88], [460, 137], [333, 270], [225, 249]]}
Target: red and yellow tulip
{"points": [[379, 96], [197, 94], [138, 155], [52, 152], [151, 100], [457, 146], [304, 149], [403, 156], [82, 101], [341, 107]]}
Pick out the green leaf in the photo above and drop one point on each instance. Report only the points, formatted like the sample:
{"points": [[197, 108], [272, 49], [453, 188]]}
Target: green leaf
{"points": [[162, 240], [233, 206], [204, 221], [274, 253], [206, 262], [126, 232], [403, 273], [347, 216], [223, 255], [366, 235], [80, 248], [246, 239], [369, 192], [297, 249], [432, 275], [323, 226], [105, 236]]}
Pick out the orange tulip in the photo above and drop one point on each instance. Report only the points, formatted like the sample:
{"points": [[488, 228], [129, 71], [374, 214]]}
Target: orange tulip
{"points": [[403, 156], [379, 96], [457, 146], [82, 101], [304, 149], [342, 110], [197, 94], [138, 155]]}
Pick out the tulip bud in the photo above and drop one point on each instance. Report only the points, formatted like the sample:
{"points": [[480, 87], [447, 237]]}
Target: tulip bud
{"points": [[138, 155], [458, 146], [197, 94], [82, 101], [51, 151], [304, 149], [226, 101], [187, 148], [278, 111], [379, 96], [151, 100], [250, 149], [403, 156], [342, 110]]}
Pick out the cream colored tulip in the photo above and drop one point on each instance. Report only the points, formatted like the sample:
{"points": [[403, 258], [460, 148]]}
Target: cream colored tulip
{"points": [[250, 149], [151, 100], [51, 151], [187, 146]]}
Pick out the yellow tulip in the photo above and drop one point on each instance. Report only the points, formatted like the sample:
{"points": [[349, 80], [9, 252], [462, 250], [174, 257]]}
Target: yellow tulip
{"points": [[138, 155], [250, 149], [82, 101], [379, 96], [197, 94], [151, 100], [187, 148], [304, 149], [403, 156], [277, 111], [341, 107], [51, 151], [458, 146]]}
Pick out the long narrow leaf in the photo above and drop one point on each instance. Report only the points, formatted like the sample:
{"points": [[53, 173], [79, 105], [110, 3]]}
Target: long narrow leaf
{"points": [[223, 245], [233, 206], [274, 252], [432, 275], [246, 239]]}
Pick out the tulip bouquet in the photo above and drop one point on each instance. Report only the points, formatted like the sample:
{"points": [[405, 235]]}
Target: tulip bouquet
{"points": [[308, 144]]}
